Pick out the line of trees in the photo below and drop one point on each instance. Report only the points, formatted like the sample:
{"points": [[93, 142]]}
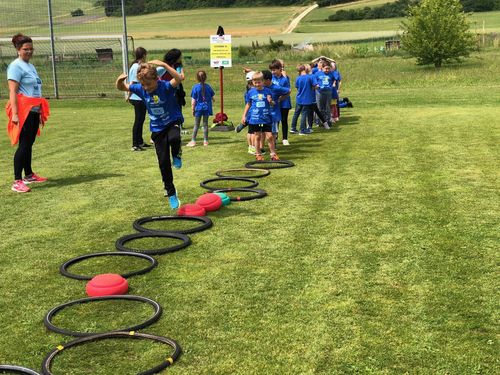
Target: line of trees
{"points": [[135, 7], [399, 8]]}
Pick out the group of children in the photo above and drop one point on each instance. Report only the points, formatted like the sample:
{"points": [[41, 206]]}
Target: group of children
{"points": [[267, 105]]}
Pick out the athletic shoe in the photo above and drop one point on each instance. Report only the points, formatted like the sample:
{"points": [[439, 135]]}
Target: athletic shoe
{"points": [[285, 142], [145, 145], [174, 201], [137, 148], [304, 132], [251, 150], [293, 131], [205, 143], [263, 151], [177, 162], [259, 158], [20, 187], [325, 125], [191, 144], [275, 157], [240, 127], [33, 178], [309, 130]]}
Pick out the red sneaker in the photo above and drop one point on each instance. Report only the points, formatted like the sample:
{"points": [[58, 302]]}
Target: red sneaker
{"points": [[34, 178], [20, 187]]}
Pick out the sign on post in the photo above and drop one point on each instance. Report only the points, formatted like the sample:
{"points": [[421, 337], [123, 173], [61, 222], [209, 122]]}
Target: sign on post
{"points": [[220, 51]]}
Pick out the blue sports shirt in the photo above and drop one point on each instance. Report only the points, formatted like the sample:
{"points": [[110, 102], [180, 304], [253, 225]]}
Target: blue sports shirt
{"points": [[306, 94], [276, 92], [283, 82], [260, 109], [161, 104], [203, 105]]}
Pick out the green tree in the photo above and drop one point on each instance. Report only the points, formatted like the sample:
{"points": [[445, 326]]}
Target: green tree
{"points": [[437, 31]]}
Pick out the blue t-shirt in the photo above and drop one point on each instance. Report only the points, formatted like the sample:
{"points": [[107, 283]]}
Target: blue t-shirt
{"points": [[161, 104], [132, 78], [203, 105], [283, 82], [324, 81], [26, 75], [276, 92], [305, 89], [260, 109]]}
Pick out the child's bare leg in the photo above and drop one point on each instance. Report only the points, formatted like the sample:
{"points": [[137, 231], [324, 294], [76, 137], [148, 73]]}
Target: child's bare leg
{"points": [[257, 141], [270, 140]]}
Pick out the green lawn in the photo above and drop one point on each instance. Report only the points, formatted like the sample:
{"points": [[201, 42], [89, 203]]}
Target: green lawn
{"points": [[315, 23], [376, 254]]}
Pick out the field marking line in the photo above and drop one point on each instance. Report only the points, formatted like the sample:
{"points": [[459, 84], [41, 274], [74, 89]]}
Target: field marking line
{"points": [[296, 20]]}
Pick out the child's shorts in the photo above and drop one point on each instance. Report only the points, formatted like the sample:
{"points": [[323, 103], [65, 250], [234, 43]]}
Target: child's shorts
{"points": [[258, 128]]}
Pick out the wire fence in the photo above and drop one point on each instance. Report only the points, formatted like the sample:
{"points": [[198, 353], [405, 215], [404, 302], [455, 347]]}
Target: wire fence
{"points": [[88, 50]]}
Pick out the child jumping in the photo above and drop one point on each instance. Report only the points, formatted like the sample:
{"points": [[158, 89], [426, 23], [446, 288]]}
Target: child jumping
{"points": [[165, 118], [202, 97], [258, 107]]}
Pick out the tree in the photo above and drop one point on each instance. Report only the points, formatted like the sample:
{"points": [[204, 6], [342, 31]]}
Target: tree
{"points": [[437, 31]]}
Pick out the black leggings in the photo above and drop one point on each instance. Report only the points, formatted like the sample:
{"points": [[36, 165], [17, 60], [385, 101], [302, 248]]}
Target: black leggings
{"points": [[318, 113], [167, 139], [23, 155], [140, 116], [284, 122]]}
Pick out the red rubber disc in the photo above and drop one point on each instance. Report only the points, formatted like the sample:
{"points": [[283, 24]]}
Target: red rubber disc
{"points": [[191, 209], [106, 284], [210, 201]]}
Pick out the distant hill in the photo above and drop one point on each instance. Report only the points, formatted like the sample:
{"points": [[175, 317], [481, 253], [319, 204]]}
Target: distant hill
{"points": [[135, 7]]}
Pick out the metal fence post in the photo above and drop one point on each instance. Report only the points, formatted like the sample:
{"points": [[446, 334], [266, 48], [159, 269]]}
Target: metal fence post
{"points": [[53, 51]]}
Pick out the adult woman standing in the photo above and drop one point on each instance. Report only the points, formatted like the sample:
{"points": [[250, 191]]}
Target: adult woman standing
{"points": [[25, 109], [139, 106]]}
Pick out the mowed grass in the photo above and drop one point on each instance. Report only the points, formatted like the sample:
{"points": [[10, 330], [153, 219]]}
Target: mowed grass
{"points": [[315, 22], [376, 254]]}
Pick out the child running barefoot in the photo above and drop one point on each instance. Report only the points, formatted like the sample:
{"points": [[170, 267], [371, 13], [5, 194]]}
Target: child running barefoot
{"points": [[165, 118], [258, 108], [202, 97]]}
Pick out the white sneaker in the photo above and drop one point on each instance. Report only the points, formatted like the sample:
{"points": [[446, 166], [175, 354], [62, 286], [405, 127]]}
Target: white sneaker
{"points": [[285, 142], [325, 125], [191, 144]]}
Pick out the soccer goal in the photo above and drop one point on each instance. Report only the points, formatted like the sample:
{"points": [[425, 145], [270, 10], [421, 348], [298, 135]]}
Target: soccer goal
{"points": [[85, 66]]}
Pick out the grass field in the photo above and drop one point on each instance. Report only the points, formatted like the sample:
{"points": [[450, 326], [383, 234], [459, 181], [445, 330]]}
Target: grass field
{"points": [[376, 254]]}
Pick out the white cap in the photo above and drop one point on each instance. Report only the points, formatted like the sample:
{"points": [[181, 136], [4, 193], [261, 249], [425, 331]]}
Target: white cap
{"points": [[249, 76]]}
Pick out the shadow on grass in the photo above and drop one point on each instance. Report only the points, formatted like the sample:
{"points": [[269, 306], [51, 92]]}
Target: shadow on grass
{"points": [[348, 120], [75, 180]]}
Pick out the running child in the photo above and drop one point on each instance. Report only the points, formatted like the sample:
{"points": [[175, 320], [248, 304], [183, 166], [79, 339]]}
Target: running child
{"points": [[202, 97], [165, 118], [258, 109]]}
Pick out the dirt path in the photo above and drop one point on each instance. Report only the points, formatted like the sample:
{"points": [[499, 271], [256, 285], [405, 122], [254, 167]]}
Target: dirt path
{"points": [[297, 19]]}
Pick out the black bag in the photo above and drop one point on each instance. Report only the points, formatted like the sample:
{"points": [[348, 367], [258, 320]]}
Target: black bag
{"points": [[180, 95]]}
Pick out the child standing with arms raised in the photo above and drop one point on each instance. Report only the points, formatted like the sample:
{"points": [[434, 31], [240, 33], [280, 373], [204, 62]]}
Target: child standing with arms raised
{"points": [[202, 97], [166, 118]]}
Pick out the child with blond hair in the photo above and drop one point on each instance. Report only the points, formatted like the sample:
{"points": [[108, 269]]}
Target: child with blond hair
{"points": [[202, 97]]}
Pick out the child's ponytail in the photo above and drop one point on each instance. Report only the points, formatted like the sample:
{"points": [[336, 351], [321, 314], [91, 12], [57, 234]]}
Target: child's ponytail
{"points": [[201, 76]]}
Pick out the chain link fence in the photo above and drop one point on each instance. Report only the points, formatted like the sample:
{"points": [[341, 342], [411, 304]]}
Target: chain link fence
{"points": [[83, 54]]}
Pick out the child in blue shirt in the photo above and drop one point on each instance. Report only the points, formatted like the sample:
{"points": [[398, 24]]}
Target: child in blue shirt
{"points": [[305, 99], [258, 108], [281, 79], [165, 118], [325, 83], [202, 96], [277, 95]]}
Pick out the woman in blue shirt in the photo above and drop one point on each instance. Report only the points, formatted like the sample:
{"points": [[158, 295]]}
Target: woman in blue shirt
{"points": [[23, 79], [138, 143]]}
